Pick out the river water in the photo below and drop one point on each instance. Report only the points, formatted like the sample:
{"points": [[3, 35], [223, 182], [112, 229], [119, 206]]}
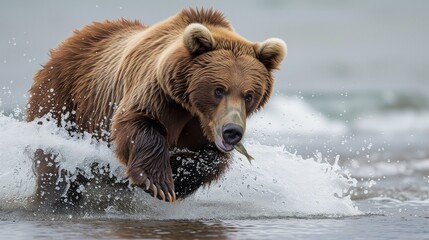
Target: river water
{"points": [[332, 178], [341, 150]]}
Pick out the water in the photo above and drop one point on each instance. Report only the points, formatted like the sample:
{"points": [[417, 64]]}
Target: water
{"points": [[409, 224], [245, 186], [334, 180], [341, 150]]}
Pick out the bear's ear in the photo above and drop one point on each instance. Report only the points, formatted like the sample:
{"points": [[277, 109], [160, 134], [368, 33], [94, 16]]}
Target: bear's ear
{"points": [[198, 39], [271, 52]]}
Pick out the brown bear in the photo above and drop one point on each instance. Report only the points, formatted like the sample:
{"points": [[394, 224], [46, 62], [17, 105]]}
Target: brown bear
{"points": [[180, 89]]}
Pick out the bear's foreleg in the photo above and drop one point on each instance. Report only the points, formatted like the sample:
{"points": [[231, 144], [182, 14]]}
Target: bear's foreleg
{"points": [[53, 192], [140, 143]]}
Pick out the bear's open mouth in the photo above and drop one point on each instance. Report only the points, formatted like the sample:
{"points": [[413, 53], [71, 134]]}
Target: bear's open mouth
{"points": [[222, 145]]}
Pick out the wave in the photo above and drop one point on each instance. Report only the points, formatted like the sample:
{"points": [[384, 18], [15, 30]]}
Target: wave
{"points": [[380, 169], [325, 117], [395, 123], [277, 184], [292, 116]]}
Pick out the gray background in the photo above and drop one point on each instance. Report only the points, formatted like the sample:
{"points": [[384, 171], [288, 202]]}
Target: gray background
{"points": [[333, 45]]}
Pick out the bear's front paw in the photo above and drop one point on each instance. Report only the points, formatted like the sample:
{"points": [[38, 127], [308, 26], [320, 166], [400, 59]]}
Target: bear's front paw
{"points": [[160, 183]]}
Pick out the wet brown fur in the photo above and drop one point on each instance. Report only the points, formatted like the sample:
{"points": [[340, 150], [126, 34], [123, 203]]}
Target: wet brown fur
{"points": [[141, 88]]}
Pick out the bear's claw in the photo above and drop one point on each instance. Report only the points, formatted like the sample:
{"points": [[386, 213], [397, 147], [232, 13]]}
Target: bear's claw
{"points": [[147, 183], [170, 198], [162, 195], [161, 191], [155, 190]]}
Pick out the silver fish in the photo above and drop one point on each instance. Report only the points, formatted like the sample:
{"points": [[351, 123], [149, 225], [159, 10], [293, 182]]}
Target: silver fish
{"points": [[240, 148]]}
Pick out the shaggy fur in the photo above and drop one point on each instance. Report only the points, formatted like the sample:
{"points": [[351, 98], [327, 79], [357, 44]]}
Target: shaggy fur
{"points": [[149, 90]]}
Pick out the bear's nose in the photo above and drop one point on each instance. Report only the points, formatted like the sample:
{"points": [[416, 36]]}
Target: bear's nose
{"points": [[232, 133]]}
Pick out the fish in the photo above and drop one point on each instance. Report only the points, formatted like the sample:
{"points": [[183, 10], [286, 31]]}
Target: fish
{"points": [[240, 148]]}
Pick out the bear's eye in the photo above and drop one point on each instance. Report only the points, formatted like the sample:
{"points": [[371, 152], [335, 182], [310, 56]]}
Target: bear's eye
{"points": [[219, 92], [248, 97]]}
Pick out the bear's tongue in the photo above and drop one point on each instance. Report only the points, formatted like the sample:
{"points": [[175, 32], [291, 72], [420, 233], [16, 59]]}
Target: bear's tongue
{"points": [[223, 146]]}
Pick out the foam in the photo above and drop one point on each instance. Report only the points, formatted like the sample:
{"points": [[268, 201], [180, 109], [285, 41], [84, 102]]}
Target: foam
{"points": [[18, 142], [277, 184]]}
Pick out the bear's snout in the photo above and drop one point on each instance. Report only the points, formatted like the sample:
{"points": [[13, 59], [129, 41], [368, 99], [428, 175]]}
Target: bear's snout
{"points": [[232, 133]]}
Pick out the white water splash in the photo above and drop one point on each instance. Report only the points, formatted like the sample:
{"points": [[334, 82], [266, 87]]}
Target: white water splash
{"points": [[18, 142], [277, 184]]}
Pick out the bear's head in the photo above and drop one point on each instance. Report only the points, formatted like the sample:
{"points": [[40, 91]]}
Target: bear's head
{"points": [[221, 77]]}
